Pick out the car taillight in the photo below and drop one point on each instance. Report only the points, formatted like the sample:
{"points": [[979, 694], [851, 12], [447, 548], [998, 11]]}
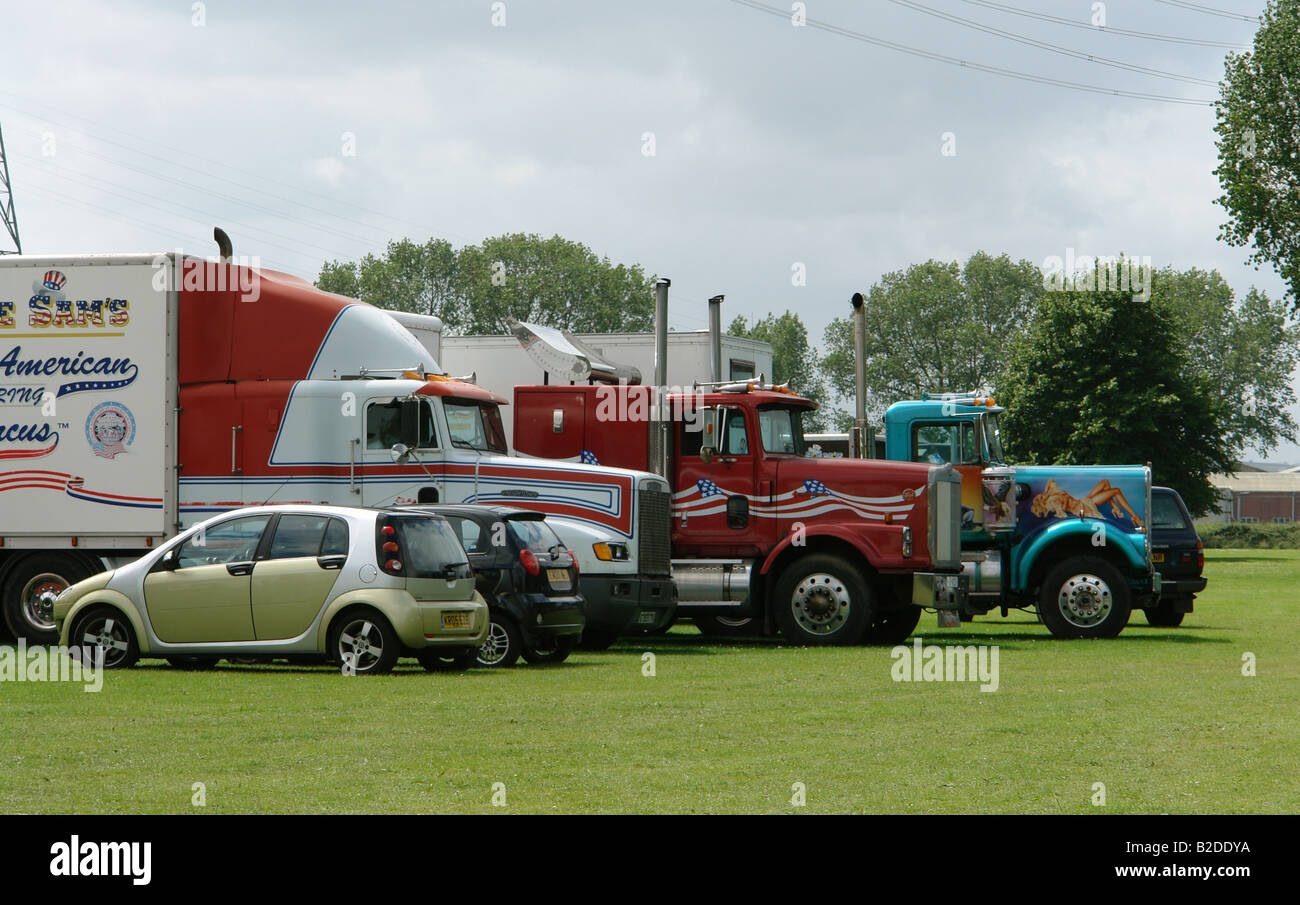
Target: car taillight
{"points": [[393, 565], [529, 560], [573, 556], [389, 550], [1200, 554]]}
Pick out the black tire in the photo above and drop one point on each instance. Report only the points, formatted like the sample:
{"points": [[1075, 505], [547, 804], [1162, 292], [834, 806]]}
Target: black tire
{"points": [[1163, 615], [102, 627], [595, 639], [823, 599], [503, 645], [557, 650], [729, 626], [27, 593], [364, 643], [440, 659], [193, 663], [1084, 597], [893, 627]]}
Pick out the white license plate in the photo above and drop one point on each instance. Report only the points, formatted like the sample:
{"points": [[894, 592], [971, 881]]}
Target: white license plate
{"points": [[455, 620], [559, 578], [647, 618]]}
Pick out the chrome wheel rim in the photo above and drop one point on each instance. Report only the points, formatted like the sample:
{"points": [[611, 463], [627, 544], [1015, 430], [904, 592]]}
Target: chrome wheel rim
{"points": [[105, 635], [820, 604], [361, 645], [734, 621], [496, 646], [1085, 600], [38, 598]]}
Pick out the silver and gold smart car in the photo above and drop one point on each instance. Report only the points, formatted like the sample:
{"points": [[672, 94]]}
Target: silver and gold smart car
{"points": [[357, 587]]}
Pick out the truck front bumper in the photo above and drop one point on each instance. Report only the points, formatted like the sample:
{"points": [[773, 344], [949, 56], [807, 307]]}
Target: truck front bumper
{"points": [[940, 590], [627, 603]]}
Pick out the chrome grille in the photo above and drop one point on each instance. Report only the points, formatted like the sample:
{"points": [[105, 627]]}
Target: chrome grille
{"points": [[654, 530]]}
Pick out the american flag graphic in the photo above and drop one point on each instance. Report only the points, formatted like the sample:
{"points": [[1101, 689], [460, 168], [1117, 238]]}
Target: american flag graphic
{"points": [[807, 499], [588, 458]]}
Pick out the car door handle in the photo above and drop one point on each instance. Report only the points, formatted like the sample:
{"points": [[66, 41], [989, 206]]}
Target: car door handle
{"points": [[239, 568], [331, 562]]}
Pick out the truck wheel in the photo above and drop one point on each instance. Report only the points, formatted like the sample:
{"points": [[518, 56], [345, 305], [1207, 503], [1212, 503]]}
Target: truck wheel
{"points": [[364, 642], [728, 626], [1163, 615], [821, 599], [104, 629], [29, 593], [893, 627], [502, 645], [1084, 597], [556, 650]]}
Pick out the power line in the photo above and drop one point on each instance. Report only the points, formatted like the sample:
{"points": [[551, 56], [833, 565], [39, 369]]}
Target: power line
{"points": [[1209, 10], [1054, 48], [1105, 29], [967, 64]]}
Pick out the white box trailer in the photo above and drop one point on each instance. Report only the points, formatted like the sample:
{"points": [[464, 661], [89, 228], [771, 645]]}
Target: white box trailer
{"points": [[500, 364]]}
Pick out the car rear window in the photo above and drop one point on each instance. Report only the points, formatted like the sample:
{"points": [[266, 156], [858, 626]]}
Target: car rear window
{"points": [[534, 534], [1166, 513], [426, 546]]}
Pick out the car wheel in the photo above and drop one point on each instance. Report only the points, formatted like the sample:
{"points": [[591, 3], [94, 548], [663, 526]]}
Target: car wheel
{"points": [[1084, 597], [556, 650], [728, 626], [193, 662], [502, 646], [893, 627], [822, 599], [364, 643], [595, 639], [104, 631], [29, 593], [1163, 615], [437, 659]]}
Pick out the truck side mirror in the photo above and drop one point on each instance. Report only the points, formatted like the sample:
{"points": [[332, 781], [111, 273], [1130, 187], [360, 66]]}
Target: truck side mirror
{"points": [[411, 423], [737, 512], [401, 453], [707, 453]]}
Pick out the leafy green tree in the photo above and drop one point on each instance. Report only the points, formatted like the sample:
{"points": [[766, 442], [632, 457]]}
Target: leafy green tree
{"points": [[1258, 123], [1248, 350], [1104, 378], [474, 289], [793, 359], [935, 327]]}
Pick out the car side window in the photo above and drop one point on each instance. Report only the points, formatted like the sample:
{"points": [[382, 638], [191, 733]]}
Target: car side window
{"points": [[336, 539], [297, 536], [470, 534], [232, 541]]}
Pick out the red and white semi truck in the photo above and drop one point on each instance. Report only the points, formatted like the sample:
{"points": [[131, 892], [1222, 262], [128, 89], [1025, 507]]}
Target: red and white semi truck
{"points": [[140, 394], [827, 551]]}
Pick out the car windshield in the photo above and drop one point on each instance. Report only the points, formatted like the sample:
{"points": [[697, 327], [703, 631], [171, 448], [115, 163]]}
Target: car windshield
{"points": [[1166, 513], [781, 428], [535, 534], [475, 425]]}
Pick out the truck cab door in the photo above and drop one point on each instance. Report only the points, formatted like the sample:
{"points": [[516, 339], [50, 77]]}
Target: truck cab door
{"points": [[388, 421], [717, 506]]}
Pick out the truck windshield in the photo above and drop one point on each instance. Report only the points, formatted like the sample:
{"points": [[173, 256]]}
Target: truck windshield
{"points": [[993, 438], [474, 425], [782, 430]]}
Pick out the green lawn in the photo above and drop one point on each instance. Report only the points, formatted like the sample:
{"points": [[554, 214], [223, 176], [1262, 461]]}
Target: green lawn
{"points": [[1163, 717]]}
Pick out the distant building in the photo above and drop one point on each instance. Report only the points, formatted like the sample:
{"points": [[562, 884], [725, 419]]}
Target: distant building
{"points": [[1258, 496]]}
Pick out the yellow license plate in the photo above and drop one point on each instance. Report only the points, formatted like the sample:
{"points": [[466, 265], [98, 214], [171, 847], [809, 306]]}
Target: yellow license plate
{"points": [[558, 577], [1157, 557], [455, 620]]}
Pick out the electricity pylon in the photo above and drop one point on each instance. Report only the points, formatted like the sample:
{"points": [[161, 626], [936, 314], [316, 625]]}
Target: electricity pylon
{"points": [[7, 214]]}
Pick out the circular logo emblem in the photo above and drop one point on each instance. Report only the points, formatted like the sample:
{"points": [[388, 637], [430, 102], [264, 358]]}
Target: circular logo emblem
{"points": [[110, 429], [909, 494]]}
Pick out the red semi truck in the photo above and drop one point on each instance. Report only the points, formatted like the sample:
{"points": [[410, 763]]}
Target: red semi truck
{"points": [[827, 551], [140, 394]]}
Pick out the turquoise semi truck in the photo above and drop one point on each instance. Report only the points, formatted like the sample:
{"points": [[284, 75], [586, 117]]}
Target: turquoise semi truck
{"points": [[1071, 541]]}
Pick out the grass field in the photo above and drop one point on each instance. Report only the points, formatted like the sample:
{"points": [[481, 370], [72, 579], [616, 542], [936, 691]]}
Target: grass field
{"points": [[1163, 717]]}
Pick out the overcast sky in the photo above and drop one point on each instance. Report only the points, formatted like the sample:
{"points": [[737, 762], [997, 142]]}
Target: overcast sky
{"points": [[138, 127]]}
